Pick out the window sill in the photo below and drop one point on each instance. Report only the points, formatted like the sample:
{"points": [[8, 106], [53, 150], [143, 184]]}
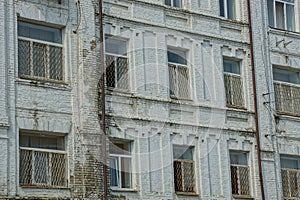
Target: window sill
{"points": [[44, 83], [288, 116], [236, 107], [237, 197], [187, 194], [40, 187], [123, 190], [284, 32], [175, 98]]}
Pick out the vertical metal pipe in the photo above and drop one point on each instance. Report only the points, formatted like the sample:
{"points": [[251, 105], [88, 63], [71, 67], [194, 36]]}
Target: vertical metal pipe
{"points": [[102, 83], [255, 103]]}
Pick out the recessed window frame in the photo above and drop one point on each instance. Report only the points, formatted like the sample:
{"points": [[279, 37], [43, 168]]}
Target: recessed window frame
{"points": [[37, 45], [118, 158], [234, 76], [287, 93], [112, 79], [236, 169], [186, 159], [49, 156], [289, 177], [228, 9], [176, 69], [273, 14]]}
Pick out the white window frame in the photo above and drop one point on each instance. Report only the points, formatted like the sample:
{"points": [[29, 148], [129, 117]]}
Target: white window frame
{"points": [[47, 61], [118, 160], [284, 14]]}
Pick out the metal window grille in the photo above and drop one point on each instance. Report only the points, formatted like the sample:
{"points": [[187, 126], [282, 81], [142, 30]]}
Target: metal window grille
{"points": [[116, 71], [240, 180], [179, 81], [287, 98], [184, 176], [42, 60], [43, 168], [290, 183], [234, 91]]}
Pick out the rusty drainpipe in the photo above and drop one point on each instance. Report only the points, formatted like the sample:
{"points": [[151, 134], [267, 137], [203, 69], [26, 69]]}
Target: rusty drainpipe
{"points": [[255, 104], [102, 83]]}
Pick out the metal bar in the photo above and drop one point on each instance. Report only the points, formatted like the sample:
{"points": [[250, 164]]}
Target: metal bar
{"points": [[255, 103]]}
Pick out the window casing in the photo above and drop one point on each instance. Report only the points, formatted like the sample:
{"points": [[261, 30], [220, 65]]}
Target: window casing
{"points": [[116, 60], [120, 160], [281, 14], [40, 52], [43, 161], [290, 174], [178, 74], [287, 91], [227, 9], [174, 3], [233, 83], [240, 184], [184, 180]]}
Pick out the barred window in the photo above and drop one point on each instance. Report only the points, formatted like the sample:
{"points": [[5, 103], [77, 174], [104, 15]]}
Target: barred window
{"points": [[227, 9], [120, 165], [281, 14], [240, 184], [178, 74], [290, 174], [40, 52], [116, 63], [43, 161], [184, 179], [287, 91], [233, 84]]}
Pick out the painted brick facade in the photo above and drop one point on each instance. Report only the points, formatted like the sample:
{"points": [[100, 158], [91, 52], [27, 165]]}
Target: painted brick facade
{"points": [[144, 113]]}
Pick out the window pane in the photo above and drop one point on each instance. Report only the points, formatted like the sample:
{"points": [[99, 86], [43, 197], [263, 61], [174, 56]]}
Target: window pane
{"points": [[114, 173], [120, 148], [39, 59], [38, 32], [231, 66], [271, 12], [115, 46], [126, 172], [279, 15], [176, 56], [55, 63], [289, 163], [176, 3], [168, 2], [221, 4], [238, 158], [231, 9], [290, 17], [183, 152], [56, 143], [286, 76]]}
